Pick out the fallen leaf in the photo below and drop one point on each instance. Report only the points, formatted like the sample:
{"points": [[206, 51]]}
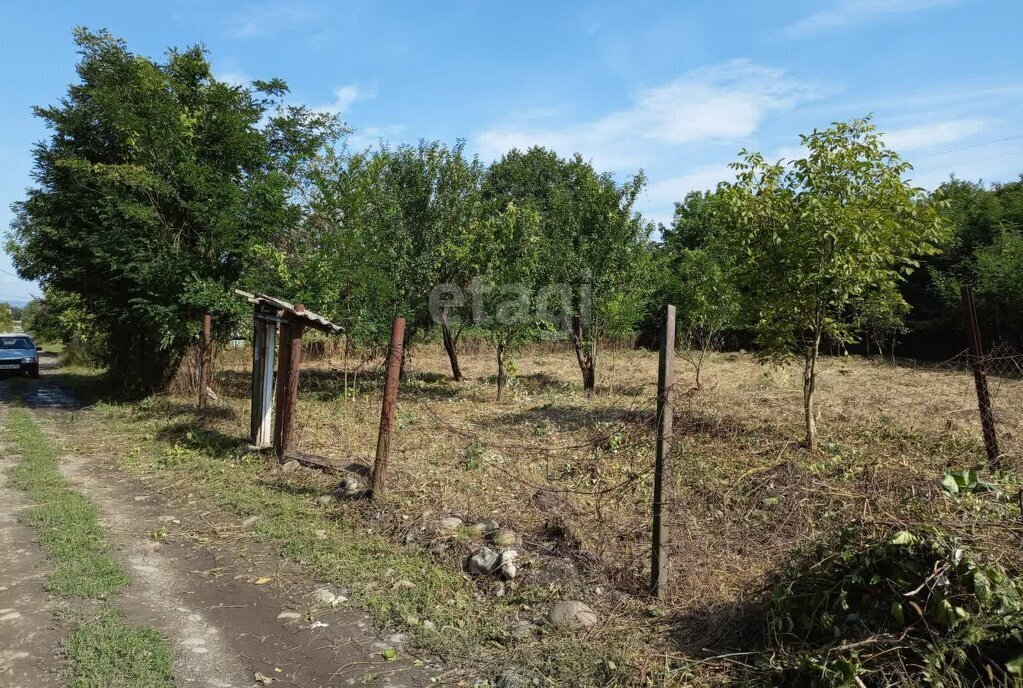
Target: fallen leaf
{"points": [[262, 580]]}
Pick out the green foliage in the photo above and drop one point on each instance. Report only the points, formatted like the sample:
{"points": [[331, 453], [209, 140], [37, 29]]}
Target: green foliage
{"points": [[384, 228], [1000, 282], [510, 274], [701, 285], [594, 243], [6, 317], [61, 316], [817, 237], [909, 607], [984, 251], [156, 186], [67, 522]]}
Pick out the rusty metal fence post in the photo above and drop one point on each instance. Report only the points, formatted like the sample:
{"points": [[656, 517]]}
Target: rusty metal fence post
{"points": [[205, 360], [662, 472], [390, 402], [977, 365]]}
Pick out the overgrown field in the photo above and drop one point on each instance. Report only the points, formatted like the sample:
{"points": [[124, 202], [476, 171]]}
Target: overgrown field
{"points": [[571, 477]]}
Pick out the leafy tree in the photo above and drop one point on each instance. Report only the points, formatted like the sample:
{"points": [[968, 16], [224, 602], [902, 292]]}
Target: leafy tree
{"points": [[694, 223], [814, 237], [702, 288], [383, 229], [985, 223], [881, 318], [511, 251], [61, 316], [6, 317], [594, 243], [999, 268], [156, 187]]}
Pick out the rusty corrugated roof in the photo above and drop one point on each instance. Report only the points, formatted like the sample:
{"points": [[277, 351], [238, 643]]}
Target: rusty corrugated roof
{"points": [[291, 310]]}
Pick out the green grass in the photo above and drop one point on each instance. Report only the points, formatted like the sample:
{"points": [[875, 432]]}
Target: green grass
{"points": [[67, 523], [103, 650], [108, 652]]}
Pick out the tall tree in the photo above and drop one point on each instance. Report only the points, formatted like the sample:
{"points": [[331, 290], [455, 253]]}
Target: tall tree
{"points": [[814, 237], [595, 244], [384, 228], [508, 280], [156, 185]]}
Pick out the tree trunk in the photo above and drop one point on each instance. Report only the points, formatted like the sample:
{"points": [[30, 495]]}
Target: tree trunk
{"points": [[585, 355], [809, 388], [500, 371], [450, 344]]}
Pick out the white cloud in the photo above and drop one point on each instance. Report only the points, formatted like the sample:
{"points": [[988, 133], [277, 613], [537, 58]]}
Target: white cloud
{"points": [[934, 134], [345, 97], [705, 178], [262, 20], [847, 13], [725, 102]]}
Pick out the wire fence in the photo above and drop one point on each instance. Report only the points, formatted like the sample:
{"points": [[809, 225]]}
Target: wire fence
{"points": [[1003, 366]]}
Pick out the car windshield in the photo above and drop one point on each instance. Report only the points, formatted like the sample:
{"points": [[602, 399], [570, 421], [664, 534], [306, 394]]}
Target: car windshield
{"points": [[15, 343]]}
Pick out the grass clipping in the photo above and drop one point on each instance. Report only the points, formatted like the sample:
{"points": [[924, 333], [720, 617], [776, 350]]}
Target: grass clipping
{"points": [[905, 608]]}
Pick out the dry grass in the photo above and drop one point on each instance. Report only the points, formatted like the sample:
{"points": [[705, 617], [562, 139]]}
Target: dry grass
{"points": [[572, 475]]}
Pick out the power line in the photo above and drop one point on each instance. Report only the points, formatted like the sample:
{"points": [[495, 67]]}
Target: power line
{"points": [[973, 145], [970, 162]]}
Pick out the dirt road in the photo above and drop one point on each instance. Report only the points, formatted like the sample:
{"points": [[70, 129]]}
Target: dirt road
{"points": [[235, 613]]}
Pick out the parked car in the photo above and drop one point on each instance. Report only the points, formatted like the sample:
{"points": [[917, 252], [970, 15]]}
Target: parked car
{"points": [[18, 355]]}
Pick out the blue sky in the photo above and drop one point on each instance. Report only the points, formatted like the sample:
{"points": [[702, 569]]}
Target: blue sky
{"points": [[673, 88]]}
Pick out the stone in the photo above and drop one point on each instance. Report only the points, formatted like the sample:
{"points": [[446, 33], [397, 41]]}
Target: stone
{"points": [[511, 679], [490, 525], [349, 486], [429, 625], [483, 562], [506, 564], [325, 596], [477, 529], [449, 523], [289, 616], [290, 466], [571, 613], [404, 584], [251, 520], [439, 549], [504, 538], [497, 589], [324, 500]]}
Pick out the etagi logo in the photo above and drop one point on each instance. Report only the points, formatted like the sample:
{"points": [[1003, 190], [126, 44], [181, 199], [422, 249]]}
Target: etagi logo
{"points": [[550, 308]]}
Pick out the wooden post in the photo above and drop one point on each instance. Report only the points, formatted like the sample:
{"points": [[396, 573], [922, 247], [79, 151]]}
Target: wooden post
{"points": [[258, 370], [263, 336], [287, 384], [987, 418], [281, 388], [390, 402], [662, 472], [205, 360]]}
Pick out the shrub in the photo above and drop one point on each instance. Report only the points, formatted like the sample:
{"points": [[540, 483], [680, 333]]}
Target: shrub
{"points": [[908, 608]]}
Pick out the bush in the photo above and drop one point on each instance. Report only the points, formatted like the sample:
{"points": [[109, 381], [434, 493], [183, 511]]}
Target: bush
{"points": [[908, 608]]}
